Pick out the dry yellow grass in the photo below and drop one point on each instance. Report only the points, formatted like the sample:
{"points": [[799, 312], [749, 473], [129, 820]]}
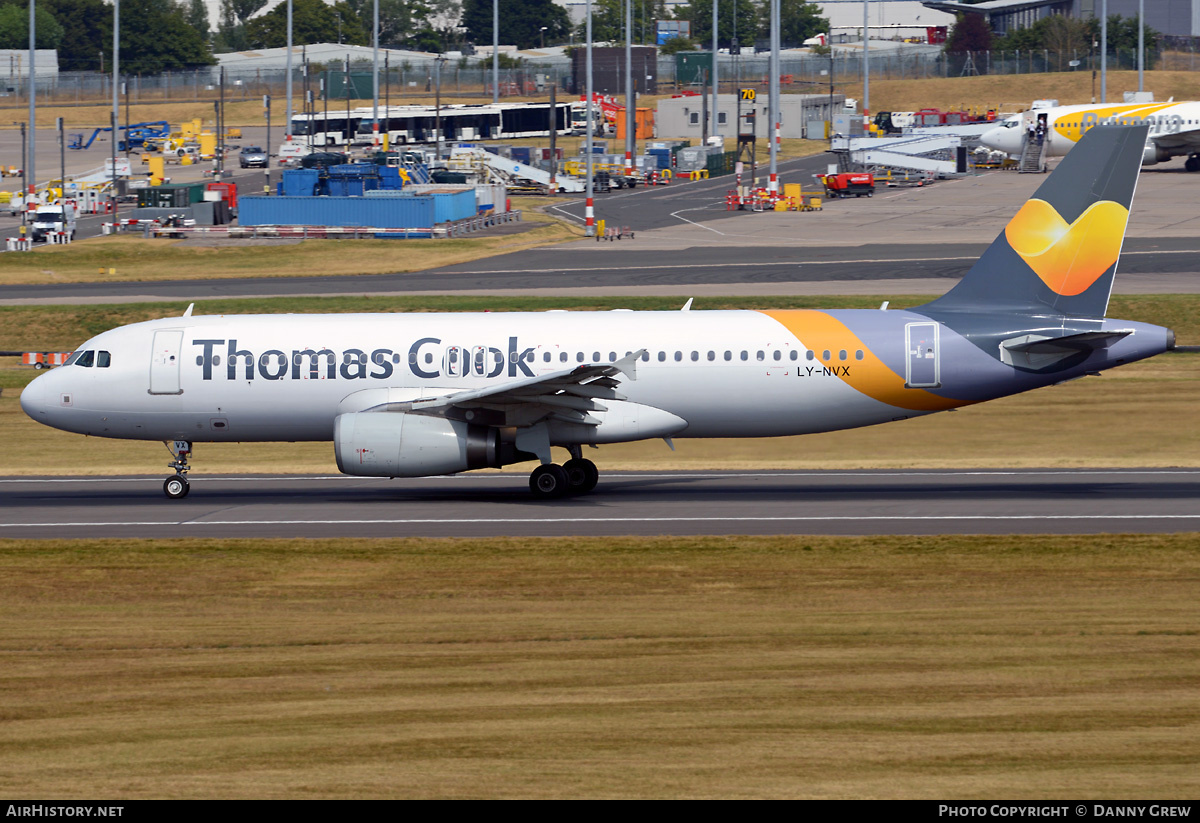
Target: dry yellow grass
{"points": [[1031, 667], [135, 258], [1017, 92]]}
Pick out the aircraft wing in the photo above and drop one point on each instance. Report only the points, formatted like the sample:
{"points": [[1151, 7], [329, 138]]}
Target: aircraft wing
{"points": [[568, 395], [1189, 140]]}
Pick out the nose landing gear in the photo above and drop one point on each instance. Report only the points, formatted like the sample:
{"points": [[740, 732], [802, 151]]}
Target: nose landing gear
{"points": [[177, 487]]}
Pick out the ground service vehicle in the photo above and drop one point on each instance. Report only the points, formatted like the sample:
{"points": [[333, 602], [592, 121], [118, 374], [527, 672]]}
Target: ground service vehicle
{"points": [[419, 394], [59, 217], [844, 185]]}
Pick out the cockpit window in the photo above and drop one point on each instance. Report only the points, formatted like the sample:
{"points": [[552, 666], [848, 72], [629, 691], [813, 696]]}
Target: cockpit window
{"points": [[103, 359], [85, 359], [70, 361]]}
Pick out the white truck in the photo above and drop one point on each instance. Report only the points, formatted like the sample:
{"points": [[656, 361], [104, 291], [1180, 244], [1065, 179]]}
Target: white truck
{"points": [[290, 153], [59, 217]]}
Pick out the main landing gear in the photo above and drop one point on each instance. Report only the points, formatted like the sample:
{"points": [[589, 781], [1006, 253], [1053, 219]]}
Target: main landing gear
{"points": [[1192, 163], [177, 487], [577, 476]]}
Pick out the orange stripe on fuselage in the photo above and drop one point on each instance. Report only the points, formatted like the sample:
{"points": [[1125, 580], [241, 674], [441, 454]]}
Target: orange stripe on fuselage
{"points": [[871, 376]]}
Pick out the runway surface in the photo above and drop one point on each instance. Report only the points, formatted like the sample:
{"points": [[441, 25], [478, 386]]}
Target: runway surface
{"points": [[625, 503]]}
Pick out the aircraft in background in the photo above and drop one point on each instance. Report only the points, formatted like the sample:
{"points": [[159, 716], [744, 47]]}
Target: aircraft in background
{"points": [[1174, 129], [410, 395]]}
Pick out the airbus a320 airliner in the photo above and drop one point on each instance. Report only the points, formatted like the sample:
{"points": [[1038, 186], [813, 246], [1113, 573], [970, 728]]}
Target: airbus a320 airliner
{"points": [[411, 395]]}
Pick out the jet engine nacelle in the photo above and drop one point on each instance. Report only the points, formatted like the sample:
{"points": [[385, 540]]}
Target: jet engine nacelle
{"points": [[1153, 154], [397, 444]]}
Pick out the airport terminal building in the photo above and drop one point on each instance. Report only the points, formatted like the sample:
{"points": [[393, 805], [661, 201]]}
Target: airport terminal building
{"points": [[1176, 17]]}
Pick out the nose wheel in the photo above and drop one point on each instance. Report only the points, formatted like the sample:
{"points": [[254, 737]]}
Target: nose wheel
{"points": [[177, 487]]}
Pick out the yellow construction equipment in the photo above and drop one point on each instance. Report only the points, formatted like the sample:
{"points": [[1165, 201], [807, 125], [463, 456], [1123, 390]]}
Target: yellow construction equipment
{"points": [[157, 171]]}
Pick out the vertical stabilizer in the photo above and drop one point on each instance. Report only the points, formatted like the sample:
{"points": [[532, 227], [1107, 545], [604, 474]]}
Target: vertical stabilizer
{"points": [[1059, 253]]}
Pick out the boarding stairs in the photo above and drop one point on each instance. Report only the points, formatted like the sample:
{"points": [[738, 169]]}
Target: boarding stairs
{"points": [[1033, 156], [507, 171], [933, 153]]}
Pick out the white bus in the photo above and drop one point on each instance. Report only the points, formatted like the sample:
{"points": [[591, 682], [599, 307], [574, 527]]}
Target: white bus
{"points": [[418, 124]]}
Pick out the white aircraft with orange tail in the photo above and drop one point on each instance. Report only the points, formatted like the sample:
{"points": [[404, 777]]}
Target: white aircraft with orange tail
{"points": [[1173, 129], [411, 395]]}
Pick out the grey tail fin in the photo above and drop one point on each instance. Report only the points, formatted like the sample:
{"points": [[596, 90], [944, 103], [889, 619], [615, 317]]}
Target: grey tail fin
{"points": [[1059, 253]]}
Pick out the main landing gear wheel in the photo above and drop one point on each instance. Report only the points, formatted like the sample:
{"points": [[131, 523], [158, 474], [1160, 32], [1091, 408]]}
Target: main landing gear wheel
{"points": [[176, 487], [549, 481], [1192, 163], [582, 475]]}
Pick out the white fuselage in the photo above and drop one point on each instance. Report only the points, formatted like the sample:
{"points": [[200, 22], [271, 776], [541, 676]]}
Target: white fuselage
{"points": [[285, 377]]}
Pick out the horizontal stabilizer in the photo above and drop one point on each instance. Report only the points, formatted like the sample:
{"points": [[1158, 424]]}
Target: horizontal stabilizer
{"points": [[1036, 351]]}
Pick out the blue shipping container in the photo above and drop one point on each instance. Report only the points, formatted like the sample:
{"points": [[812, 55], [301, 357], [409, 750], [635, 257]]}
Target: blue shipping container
{"points": [[374, 212], [521, 154], [450, 206], [300, 182], [663, 156], [389, 178], [354, 170]]}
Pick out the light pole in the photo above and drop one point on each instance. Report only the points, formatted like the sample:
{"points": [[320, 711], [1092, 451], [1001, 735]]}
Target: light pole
{"points": [[116, 67], [830, 95], [542, 31], [630, 104], [1141, 40], [715, 82], [375, 77], [1103, 51], [866, 63], [288, 125], [776, 108], [589, 218], [32, 176], [496, 51], [437, 74]]}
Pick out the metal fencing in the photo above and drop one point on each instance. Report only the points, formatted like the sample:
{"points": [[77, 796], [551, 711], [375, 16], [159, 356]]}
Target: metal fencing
{"points": [[466, 78]]}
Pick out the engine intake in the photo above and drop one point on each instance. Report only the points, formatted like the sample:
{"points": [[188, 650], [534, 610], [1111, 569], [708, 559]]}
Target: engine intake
{"points": [[1152, 154], [397, 444]]}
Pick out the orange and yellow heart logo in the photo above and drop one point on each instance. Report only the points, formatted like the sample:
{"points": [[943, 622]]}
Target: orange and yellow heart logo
{"points": [[1068, 258]]}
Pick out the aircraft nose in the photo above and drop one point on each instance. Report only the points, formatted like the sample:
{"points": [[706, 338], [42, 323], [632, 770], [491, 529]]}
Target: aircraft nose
{"points": [[33, 398], [997, 139]]}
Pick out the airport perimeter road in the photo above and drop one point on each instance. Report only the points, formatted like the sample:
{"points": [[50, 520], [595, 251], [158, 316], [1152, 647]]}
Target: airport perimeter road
{"points": [[625, 503]]}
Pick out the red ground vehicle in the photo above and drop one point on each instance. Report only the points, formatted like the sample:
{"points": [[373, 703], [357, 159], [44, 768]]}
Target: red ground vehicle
{"points": [[844, 185]]}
